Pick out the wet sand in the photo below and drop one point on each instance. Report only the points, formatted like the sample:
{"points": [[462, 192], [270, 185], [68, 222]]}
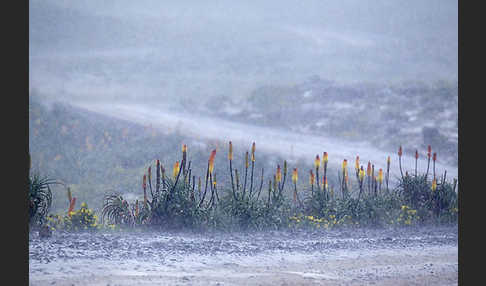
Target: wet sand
{"points": [[408, 256]]}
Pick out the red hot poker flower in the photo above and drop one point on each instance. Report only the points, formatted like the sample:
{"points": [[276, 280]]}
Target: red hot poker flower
{"points": [[317, 162], [175, 170], [295, 176], [230, 153], [211, 161], [253, 148], [278, 177]]}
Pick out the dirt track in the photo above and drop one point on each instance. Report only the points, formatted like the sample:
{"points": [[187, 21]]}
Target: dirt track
{"points": [[416, 256]]}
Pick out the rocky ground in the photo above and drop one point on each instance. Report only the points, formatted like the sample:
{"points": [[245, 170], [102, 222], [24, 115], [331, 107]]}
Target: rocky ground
{"points": [[400, 256]]}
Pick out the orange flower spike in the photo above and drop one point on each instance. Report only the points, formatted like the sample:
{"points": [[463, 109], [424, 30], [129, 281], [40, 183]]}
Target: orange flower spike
{"points": [[211, 161], [434, 184], [175, 170], [317, 162], [400, 151], [388, 160], [230, 153], [295, 176], [253, 148], [416, 154], [325, 183], [345, 164], [380, 175], [356, 165], [71, 206], [184, 152], [368, 169], [150, 173], [311, 178], [434, 157], [278, 177], [324, 157], [429, 151], [144, 182]]}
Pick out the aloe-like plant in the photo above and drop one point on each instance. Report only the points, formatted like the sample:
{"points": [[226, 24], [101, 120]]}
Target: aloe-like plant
{"points": [[116, 210], [39, 197]]}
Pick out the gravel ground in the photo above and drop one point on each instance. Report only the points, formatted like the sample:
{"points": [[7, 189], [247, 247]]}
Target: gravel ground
{"points": [[399, 256]]}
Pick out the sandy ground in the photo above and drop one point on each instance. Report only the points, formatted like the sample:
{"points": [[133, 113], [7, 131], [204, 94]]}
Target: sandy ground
{"points": [[420, 256], [426, 266]]}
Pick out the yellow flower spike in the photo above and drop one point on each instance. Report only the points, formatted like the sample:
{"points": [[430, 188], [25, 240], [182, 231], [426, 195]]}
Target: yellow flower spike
{"points": [[380, 175], [317, 162], [388, 160], [253, 148], [345, 164], [278, 176], [184, 148], [434, 184], [246, 159], [311, 178], [325, 183], [368, 169], [361, 173], [175, 170], [295, 176], [211, 161], [324, 157], [230, 153]]}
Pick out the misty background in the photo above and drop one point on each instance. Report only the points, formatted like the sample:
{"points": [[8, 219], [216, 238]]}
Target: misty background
{"points": [[360, 77]]}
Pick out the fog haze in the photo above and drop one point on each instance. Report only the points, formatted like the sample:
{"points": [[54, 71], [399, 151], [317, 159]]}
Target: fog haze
{"points": [[158, 50]]}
